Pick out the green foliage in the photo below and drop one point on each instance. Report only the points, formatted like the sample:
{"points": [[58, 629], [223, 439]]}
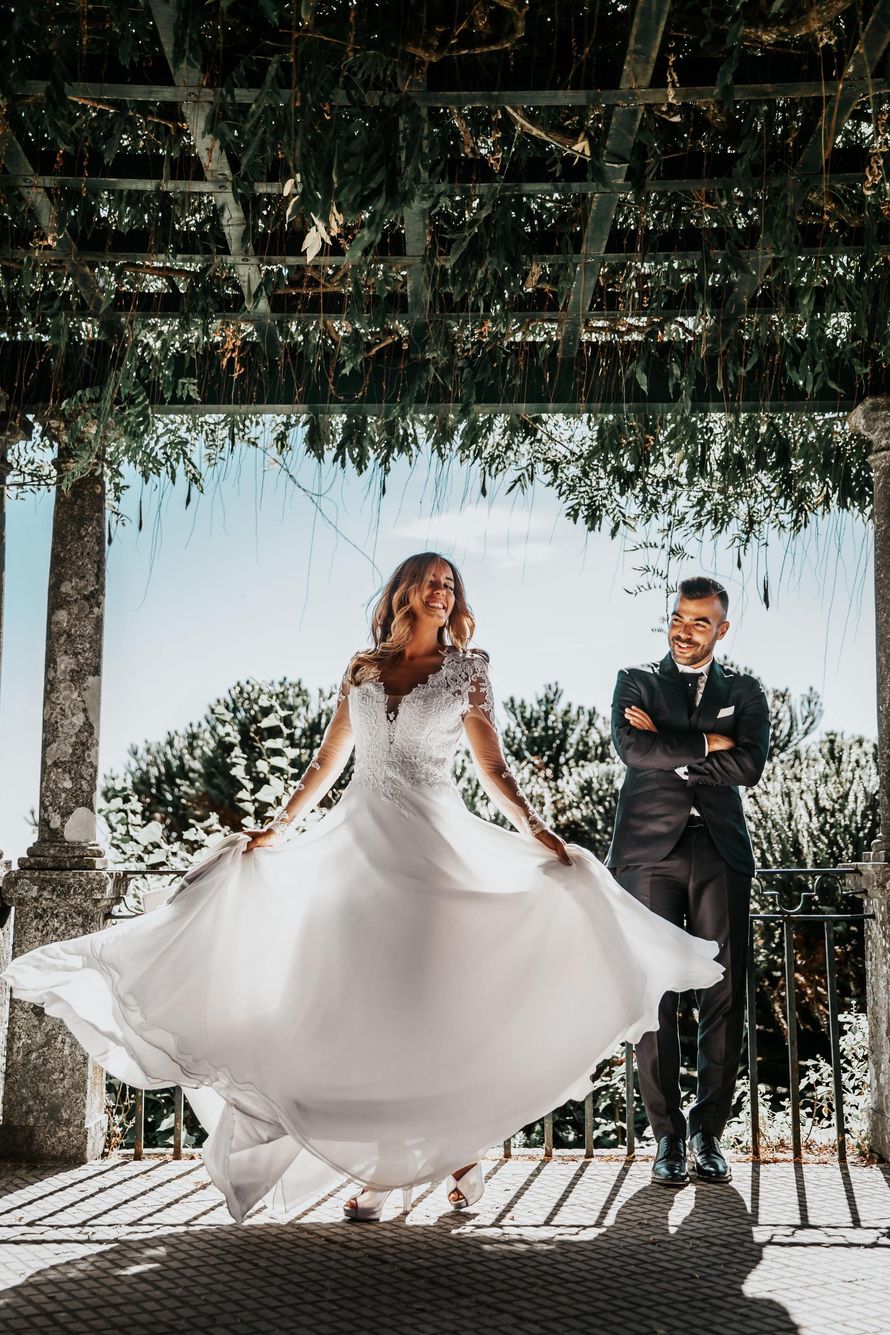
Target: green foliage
{"points": [[158, 1118], [816, 804], [816, 1100], [230, 770], [336, 115]]}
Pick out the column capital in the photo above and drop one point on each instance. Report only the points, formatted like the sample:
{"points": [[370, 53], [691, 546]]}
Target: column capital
{"points": [[871, 417], [72, 854]]}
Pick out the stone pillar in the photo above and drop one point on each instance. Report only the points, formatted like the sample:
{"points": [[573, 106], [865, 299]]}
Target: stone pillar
{"points": [[872, 419], [55, 1095], [8, 434]]}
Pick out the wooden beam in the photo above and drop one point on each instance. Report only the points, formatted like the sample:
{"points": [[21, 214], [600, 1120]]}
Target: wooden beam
{"points": [[215, 165], [643, 45], [502, 189], [487, 97], [208, 260], [815, 156], [145, 307], [497, 407], [416, 225]]}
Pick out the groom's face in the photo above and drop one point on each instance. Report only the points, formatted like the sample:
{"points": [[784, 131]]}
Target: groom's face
{"points": [[695, 627]]}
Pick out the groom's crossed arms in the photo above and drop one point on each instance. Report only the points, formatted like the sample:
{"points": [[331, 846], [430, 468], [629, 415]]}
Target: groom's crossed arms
{"points": [[665, 740]]}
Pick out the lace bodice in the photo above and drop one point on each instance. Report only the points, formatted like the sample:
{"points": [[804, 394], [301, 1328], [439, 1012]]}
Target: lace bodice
{"points": [[400, 744], [410, 742]]}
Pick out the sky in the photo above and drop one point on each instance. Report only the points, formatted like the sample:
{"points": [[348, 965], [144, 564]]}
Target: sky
{"points": [[257, 578]]}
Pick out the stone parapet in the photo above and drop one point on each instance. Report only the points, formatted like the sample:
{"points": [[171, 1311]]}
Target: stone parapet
{"points": [[54, 1108], [70, 891]]}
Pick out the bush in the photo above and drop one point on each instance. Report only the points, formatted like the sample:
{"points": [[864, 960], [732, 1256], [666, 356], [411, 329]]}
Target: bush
{"points": [[230, 770]]}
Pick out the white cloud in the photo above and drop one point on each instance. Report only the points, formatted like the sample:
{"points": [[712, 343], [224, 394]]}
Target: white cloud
{"points": [[499, 534]]}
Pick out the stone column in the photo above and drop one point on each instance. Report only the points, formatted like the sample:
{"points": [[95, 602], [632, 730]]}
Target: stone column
{"points": [[8, 434], [872, 419], [55, 1095]]}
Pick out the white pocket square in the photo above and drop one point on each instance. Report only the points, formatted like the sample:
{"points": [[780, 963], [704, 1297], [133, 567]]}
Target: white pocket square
{"points": [[726, 711]]}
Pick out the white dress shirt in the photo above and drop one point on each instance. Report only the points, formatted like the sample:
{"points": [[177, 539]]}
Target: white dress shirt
{"points": [[703, 668]]}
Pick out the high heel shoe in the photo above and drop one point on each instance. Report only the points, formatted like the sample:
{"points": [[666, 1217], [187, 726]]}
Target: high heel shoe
{"points": [[470, 1185], [369, 1204]]}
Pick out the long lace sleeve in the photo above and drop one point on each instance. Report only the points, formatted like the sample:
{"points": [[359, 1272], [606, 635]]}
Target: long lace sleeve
{"points": [[494, 774], [323, 770]]}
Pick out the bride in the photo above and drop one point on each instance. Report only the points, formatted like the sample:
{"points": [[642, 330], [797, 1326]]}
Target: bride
{"points": [[397, 988]]}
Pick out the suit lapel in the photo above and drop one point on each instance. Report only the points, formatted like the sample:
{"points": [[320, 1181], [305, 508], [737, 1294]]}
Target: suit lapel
{"points": [[714, 697], [674, 692]]}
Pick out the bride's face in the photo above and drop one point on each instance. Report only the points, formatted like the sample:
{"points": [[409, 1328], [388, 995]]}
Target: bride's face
{"points": [[434, 599]]}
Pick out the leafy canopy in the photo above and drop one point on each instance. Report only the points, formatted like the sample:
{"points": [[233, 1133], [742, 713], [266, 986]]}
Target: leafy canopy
{"points": [[397, 258]]}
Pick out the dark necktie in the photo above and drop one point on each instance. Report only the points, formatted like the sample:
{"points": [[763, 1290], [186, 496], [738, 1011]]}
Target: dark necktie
{"points": [[692, 680]]}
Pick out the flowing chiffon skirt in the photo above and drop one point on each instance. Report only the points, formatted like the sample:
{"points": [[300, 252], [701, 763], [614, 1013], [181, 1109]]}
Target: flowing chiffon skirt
{"points": [[386, 997]]}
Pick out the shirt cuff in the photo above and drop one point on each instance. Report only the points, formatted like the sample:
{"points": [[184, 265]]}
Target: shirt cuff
{"points": [[707, 748]]}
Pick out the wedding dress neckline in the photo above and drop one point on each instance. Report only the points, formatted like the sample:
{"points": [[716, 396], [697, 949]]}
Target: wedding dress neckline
{"points": [[393, 713]]}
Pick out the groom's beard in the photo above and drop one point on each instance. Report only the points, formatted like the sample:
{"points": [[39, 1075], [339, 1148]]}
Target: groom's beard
{"points": [[702, 655]]}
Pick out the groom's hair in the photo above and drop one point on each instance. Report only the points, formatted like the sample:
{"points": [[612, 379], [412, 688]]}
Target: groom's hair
{"points": [[703, 587]]}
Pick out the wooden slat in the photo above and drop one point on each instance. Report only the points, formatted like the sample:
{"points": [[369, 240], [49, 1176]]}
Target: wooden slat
{"points": [[646, 33], [416, 223], [502, 189], [215, 164], [488, 97], [207, 259]]}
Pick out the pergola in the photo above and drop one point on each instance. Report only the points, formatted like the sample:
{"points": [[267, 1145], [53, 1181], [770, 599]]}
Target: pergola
{"points": [[471, 224]]}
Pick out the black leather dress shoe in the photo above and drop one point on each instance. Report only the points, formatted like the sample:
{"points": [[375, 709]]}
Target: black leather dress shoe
{"points": [[710, 1165], [669, 1169]]}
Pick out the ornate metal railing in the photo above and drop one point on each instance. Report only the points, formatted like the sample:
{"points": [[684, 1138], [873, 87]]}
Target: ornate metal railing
{"points": [[789, 915], [775, 883]]}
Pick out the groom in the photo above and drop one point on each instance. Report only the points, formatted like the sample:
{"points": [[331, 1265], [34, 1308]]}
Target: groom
{"points": [[690, 733]]}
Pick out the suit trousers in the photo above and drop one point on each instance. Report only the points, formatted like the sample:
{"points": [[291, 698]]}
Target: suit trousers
{"points": [[694, 888]]}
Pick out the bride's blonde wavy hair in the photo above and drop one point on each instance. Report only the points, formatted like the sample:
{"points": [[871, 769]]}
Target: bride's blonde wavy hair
{"points": [[392, 620]]}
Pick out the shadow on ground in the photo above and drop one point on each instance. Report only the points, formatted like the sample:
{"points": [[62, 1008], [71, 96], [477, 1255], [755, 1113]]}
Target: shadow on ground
{"points": [[634, 1275]]}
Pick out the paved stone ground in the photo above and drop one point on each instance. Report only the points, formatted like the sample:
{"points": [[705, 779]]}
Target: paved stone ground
{"points": [[553, 1248]]}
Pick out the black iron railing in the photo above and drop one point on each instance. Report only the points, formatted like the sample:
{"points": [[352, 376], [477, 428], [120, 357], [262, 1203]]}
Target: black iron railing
{"points": [[789, 915]]}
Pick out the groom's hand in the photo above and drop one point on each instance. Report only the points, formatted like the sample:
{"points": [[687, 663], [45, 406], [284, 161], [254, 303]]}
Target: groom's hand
{"points": [[638, 718], [717, 742]]}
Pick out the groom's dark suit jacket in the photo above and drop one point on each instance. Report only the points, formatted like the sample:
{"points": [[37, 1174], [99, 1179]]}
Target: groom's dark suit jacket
{"points": [[654, 802]]}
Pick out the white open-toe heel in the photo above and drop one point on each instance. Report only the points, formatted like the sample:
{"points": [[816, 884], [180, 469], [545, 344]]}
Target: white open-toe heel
{"points": [[470, 1185], [369, 1204]]}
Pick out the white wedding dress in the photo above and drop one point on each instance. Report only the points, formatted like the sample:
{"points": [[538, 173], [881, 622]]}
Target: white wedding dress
{"points": [[392, 992]]}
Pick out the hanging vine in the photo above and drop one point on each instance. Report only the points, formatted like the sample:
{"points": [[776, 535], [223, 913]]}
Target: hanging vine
{"points": [[394, 247]]}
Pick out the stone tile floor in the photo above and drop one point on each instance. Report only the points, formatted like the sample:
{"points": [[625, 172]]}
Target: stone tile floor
{"points": [[555, 1247]]}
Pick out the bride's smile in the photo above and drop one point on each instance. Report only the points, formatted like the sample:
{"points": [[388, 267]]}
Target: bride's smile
{"points": [[435, 600]]}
